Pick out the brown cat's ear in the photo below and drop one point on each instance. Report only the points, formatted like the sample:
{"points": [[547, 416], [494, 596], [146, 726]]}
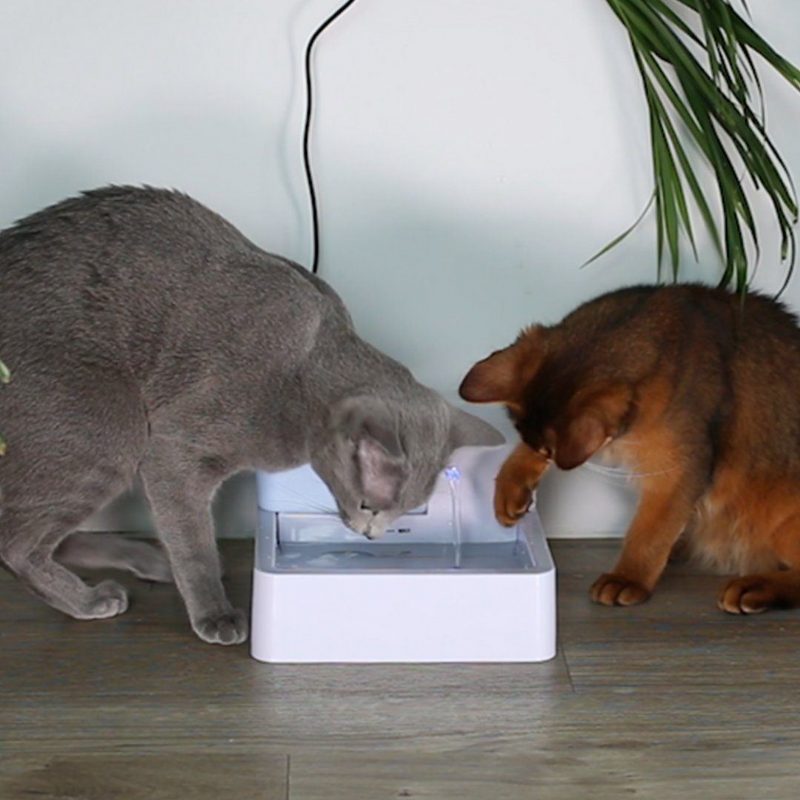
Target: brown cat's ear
{"points": [[580, 439], [585, 432], [503, 376]]}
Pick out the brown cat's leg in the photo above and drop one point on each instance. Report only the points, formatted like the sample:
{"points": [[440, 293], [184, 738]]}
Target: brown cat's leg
{"points": [[180, 489], [753, 594], [681, 551], [664, 510], [515, 483]]}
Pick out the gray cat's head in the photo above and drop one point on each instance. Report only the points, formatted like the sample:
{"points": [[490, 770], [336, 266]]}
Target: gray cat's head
{"points": [[381, 457]]}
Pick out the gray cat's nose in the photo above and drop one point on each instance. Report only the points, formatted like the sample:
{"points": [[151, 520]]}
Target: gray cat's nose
{"points": [[358, 524], [367, 524], [374, 530]]}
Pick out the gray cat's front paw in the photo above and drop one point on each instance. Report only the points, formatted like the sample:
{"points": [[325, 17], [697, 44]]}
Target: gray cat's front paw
{"points": [[108, 599], [228, 628]]}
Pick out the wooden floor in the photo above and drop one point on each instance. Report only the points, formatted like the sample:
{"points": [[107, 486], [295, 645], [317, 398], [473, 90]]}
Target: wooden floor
{"points": [[672, 699]]}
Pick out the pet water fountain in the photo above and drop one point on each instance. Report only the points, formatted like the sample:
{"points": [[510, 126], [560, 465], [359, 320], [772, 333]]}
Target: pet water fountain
{"points": [[446, 582]]}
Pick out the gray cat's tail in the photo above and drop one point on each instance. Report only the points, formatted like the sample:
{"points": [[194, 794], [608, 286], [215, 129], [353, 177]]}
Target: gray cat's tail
{"points": [[113, 551]]}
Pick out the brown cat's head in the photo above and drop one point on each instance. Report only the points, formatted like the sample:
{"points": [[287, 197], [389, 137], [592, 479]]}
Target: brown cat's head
{"points": [[561, 406]]}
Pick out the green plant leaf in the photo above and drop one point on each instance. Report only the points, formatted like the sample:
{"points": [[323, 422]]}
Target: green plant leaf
{"points": [[720, 108], [617, 239], [679, 150]]}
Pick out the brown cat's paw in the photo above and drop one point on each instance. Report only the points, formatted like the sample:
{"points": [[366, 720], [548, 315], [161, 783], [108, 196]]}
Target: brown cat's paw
{"points": [[227, 628], [511, 502], [109, 599], [756, 593], [615, 590]]}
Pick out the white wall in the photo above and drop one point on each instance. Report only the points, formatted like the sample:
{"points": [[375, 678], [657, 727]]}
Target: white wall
{"points": [[470, 156]]}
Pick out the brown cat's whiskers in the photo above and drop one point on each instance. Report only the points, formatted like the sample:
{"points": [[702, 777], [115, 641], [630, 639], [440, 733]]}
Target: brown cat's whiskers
{"points": [[624, 474]]}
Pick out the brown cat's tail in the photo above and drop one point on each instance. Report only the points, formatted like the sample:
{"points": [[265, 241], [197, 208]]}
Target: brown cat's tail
{"points": [[113, 551]]}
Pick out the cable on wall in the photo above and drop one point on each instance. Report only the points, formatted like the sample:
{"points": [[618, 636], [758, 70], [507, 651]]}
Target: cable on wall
{"points": [[312, 195]]}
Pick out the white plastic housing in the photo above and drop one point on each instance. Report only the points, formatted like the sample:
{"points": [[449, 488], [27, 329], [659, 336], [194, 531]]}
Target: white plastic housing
{"points": [[322, 593]]}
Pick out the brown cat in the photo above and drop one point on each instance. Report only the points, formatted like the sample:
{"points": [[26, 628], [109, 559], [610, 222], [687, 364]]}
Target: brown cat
{"points": [[697, 392]]}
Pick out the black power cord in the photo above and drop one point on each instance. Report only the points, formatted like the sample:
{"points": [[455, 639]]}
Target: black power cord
{"points": [[312, 195]]}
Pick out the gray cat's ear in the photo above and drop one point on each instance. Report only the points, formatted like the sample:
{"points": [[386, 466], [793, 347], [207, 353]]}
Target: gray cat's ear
{"points": [[360, 417], [469, 430], [370, 426]]}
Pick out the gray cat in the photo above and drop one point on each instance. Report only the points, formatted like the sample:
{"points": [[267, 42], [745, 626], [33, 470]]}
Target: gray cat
{"points": [[146, 335]]}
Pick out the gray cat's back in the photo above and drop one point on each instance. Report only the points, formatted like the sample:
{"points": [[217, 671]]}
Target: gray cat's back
{"points": [[139, 278]]}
